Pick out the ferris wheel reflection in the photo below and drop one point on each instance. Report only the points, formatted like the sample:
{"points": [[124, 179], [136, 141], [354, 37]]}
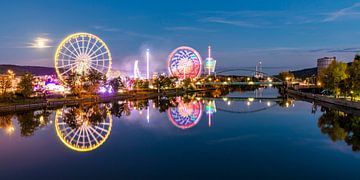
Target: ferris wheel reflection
{"points": [[186, 115], [83, 128]]}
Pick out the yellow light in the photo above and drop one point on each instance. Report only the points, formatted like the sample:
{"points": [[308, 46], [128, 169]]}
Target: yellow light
{"points": [[60, 134], [319, 83], [10, 129], [229, 79], [251, 99], [41, 119]]}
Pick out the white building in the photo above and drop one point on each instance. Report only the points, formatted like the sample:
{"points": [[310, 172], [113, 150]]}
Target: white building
{"points": [[324, 62]]}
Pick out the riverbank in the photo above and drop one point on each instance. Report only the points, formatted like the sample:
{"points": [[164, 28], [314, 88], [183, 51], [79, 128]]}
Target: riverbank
{"points": [[72, 101], [341, 104]]}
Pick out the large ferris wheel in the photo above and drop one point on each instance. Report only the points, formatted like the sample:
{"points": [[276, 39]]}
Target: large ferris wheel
{"points": [[80, 52], [185, 62]]}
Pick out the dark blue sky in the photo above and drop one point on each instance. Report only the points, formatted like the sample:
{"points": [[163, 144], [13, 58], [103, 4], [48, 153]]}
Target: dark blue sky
{"points": [[289, 34]]}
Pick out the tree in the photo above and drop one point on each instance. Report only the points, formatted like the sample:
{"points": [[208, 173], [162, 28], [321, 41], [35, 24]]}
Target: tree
{"points": [[93, 81], [116, 84], [333, 76], [186, 83], [5, 84], [26, 85], [159, 82], [28, 124], [286, 76], [74, 82], [141, 84], [354, 73], [357, 57]]}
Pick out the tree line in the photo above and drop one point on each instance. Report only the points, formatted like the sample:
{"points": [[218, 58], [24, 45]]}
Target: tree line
{"points": [[341, 78]]}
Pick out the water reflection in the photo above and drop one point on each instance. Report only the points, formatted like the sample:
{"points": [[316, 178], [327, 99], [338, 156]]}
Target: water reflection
{"points": [[340, 126], [31, 121], [6, 123], [83, 128], [186, 115], [87, 127]]}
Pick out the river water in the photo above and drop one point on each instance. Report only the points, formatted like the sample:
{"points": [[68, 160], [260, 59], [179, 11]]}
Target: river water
{"points": [[245, 134]]}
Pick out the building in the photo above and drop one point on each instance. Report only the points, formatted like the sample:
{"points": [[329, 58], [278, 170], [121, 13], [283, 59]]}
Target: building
{"points": [[324, 62]]}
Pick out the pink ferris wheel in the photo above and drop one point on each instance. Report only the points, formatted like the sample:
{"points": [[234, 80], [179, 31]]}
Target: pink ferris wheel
{"points": [[185, 62]]}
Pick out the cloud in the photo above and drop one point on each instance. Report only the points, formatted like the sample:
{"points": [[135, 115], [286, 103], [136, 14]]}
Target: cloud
{"points": [[40, 43], [228, 22], [348, 11], [106, 29], [130, 33], [336, 50]]}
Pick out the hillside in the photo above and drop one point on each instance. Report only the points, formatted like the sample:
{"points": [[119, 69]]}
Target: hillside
{"points": [[20, 70], [305, 73]]}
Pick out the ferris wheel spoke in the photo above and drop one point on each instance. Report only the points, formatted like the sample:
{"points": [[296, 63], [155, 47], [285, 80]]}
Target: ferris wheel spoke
{"points": [[85, 135], [88, 136], [100, 135], [76, 132], [92, 57], [70, 52], [78, 139], [87, 46], [73, 57], [78, 45], [92, 135], [97, 60], [78, 54], [100, 128], [69, 133], [97, 50], [70, 69], [92, 47], [69, 60], [67, 65], [83, 46]]}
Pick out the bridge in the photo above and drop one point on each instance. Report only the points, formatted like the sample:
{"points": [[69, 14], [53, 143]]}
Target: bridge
{"points": [[243, 105], [244, 83], [272, 79]]}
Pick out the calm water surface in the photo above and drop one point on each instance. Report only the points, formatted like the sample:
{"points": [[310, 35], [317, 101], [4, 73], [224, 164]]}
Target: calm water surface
{"points": [[191, 138]]}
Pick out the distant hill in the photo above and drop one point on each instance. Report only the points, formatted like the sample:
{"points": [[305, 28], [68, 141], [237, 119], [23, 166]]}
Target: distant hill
{"points": [[20, 70], [304, 73]]}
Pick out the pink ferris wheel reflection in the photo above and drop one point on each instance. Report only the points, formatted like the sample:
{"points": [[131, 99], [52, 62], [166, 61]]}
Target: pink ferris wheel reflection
{"points": [[185, 115]]}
